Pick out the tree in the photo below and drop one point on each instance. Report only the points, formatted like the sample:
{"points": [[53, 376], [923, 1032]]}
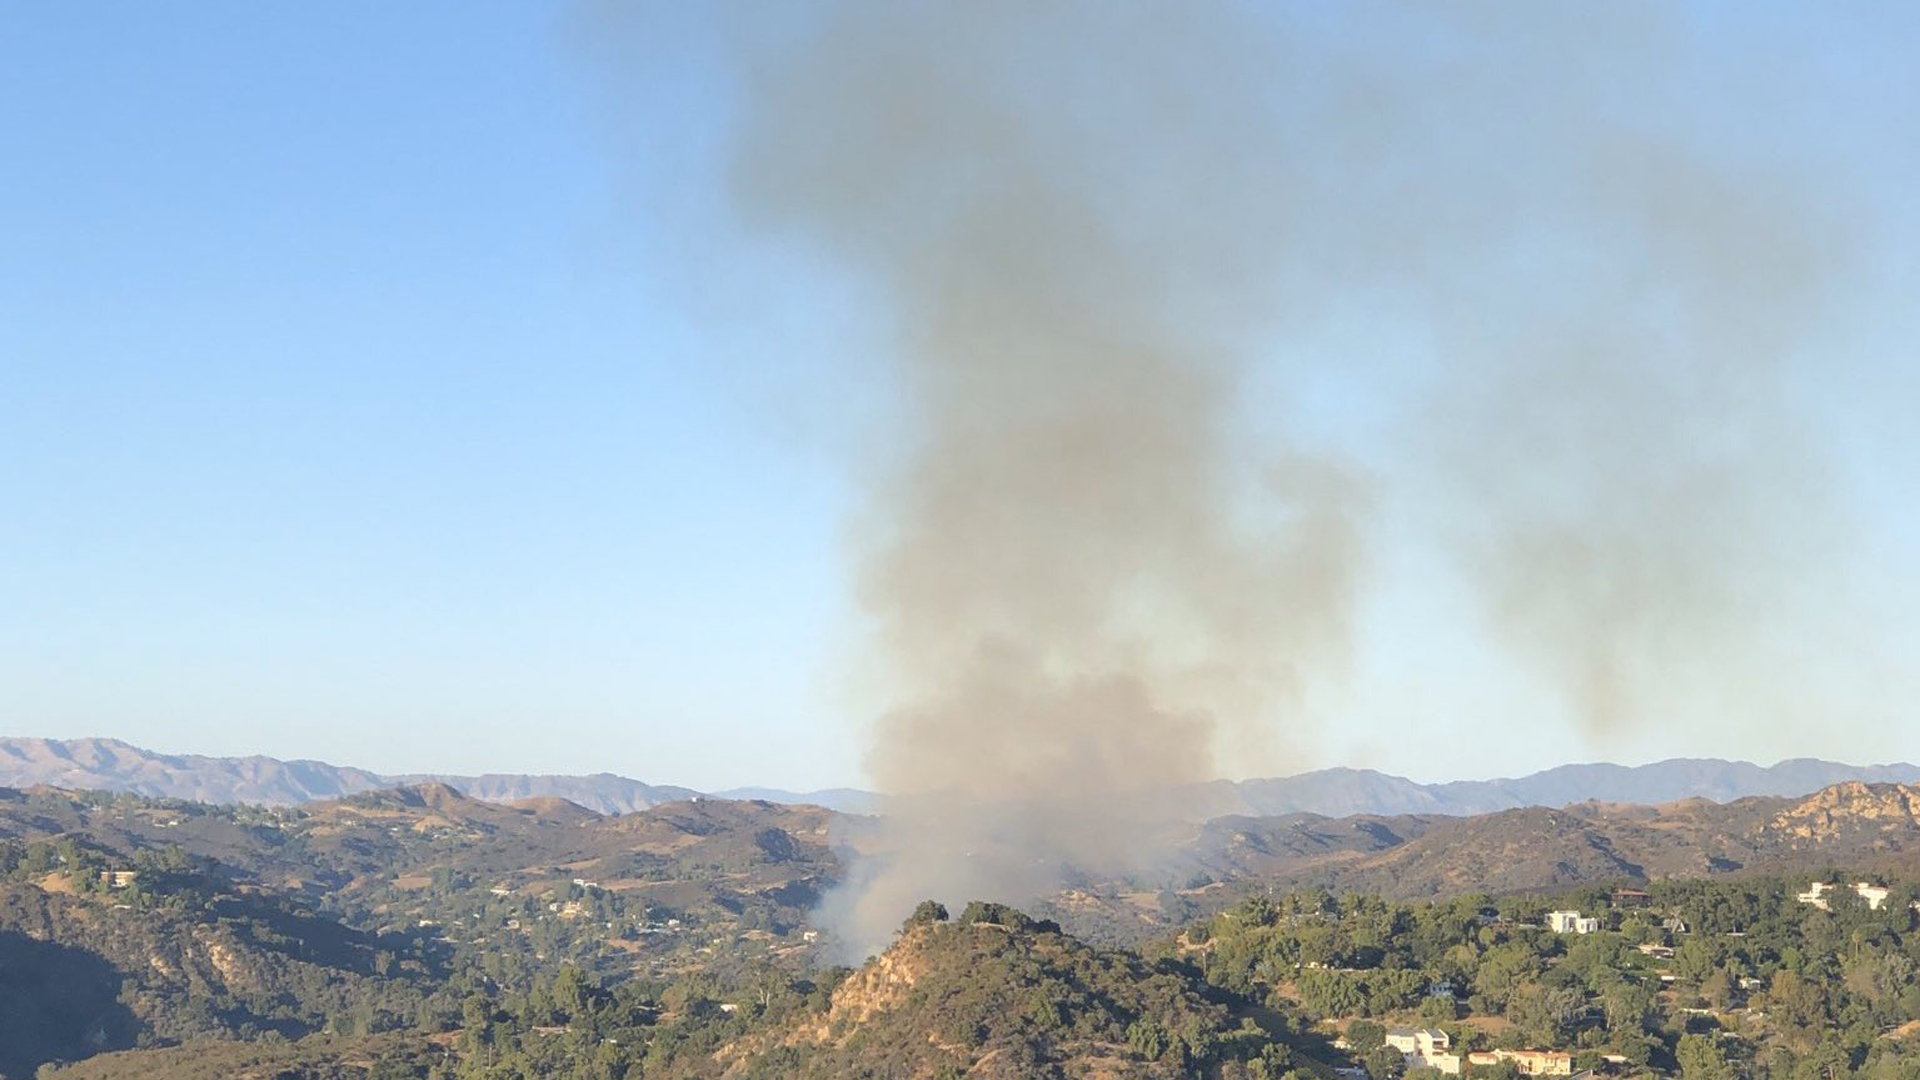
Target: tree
{"points": [[1439, 1009], [1504, 968], [1366, 1036], [926, 914], [1701, 1058], [1386, 1063], [1149, 1039], [570, 992], [1330, 993], [1718, 989], [1627, 1007], [1826, 1061], [1800, 1007], [1547, 1015]]}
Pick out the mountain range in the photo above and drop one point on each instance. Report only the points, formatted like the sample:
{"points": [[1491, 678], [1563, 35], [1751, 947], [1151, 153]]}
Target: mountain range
{"points": [[113, 765]]}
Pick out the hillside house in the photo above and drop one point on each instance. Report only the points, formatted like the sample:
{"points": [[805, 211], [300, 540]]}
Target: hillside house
{"points": [[118, 879], [1816, 894], [1571, 922], [1430, 1047], [1528, 1062], [1631, 898], [1674, 924]]}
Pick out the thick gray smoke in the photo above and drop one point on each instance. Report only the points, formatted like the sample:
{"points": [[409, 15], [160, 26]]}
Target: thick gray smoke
{"points": [[1087, 221], [1071, 216]]}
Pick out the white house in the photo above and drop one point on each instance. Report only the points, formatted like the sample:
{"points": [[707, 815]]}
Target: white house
{"points": [[1570, 922], [1816, 894], [1430, 1047]]}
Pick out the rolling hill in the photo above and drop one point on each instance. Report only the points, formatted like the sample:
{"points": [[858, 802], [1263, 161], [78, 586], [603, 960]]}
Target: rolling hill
{"points": [[345, 917]]}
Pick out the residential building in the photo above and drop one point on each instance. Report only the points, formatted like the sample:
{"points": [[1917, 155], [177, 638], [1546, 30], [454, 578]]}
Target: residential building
{"points": [[1816, 894], [1528, 1062], [1425, 1046], [1571, 922]]}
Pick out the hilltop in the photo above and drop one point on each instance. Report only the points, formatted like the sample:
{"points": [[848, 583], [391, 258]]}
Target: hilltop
{"points": [[996, 995]]}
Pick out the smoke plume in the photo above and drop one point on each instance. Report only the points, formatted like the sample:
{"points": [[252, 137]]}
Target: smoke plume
{"points": [[1070, 215], [1095, 563]]}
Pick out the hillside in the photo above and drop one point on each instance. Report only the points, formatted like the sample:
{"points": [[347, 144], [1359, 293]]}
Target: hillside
{"points": [[394, 908], [389, 859], [349, 916], [392, 857], [511, 882], [319, 1057], [992, 995], [1870, 826], [996, 996], [83, 974]]}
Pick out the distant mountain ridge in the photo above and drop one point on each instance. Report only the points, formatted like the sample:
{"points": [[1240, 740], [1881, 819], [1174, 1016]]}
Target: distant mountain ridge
{"points": [[1342, 792], [113, 765]]}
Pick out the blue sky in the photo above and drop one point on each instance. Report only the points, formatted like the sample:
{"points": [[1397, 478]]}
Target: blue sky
{"points": [[364, 395]]}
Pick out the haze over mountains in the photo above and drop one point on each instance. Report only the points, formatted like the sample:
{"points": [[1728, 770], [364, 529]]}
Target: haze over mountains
{"points": [[113, 765]]}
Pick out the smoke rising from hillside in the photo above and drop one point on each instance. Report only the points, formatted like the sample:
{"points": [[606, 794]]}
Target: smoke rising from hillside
{"points": [[1087, 222], [1070, 218]]}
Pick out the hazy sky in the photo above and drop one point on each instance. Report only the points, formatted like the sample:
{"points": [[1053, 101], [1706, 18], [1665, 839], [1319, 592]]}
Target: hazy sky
{"points": [[389, 384]]}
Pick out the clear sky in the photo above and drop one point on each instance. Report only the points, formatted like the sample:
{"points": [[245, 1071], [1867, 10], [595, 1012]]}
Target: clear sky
{"points": [[366, 396]]}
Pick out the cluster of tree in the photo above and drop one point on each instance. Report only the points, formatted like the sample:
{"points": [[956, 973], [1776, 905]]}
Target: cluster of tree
{"points": [[1710, 979], [995, 993]]}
